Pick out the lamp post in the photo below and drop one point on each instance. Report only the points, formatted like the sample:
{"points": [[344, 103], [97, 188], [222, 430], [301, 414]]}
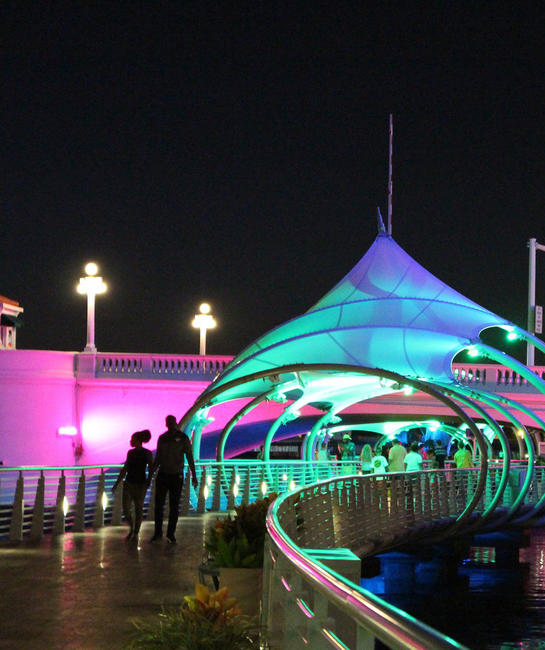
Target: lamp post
{"points": [[90, 285], [532, 246], [203, 321]]}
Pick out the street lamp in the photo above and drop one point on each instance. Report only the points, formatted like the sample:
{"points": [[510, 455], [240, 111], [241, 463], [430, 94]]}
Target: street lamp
{"points": [[534, 312], [203, 321], [91, 284]]}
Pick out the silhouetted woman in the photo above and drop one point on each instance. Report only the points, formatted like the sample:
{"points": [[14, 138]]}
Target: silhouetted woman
{"points": [[136, 482]]}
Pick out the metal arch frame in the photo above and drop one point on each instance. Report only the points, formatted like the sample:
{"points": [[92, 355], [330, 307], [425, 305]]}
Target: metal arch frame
{"points": [[504, 445], [267, 396], [208, 400], [527, 438]]}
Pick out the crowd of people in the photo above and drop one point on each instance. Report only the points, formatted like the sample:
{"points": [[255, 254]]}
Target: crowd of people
{"points": [[395, 456]]}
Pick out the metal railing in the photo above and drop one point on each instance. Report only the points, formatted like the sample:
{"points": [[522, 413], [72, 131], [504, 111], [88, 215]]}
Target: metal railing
{"points": [[317, 535], [39, 500], [324, 522]]}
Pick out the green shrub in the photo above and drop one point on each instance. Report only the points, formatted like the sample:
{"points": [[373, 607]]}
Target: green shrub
{"points": [[206, 621], [239, 541]]}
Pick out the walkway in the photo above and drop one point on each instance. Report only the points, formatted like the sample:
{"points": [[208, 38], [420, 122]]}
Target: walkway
{"points": [[81, 590]]}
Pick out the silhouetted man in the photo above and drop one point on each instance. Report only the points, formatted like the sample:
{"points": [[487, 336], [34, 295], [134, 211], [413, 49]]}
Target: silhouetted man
{"points": [[172, 448]]}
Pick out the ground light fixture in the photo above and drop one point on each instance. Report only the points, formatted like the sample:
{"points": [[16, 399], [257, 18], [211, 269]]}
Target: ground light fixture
{"points": [[91, 285], [203, 321]]}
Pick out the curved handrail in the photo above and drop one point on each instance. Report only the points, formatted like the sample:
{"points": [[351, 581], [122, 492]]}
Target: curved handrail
{"points": [[383, 621]]}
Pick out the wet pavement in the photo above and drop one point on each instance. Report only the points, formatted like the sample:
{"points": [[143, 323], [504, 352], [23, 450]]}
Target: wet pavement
{"points": [[81, 590]]}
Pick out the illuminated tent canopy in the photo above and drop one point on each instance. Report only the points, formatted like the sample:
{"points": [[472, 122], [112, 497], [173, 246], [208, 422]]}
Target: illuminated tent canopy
{"points": [[387, 324]]}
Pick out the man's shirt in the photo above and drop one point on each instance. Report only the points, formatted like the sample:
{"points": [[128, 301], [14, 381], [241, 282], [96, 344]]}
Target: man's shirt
{"points": [[172, 447]]}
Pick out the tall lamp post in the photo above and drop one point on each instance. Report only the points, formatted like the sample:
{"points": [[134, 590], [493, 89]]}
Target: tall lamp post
{"points": [[203, 321], [90, 285], [534, 322]]}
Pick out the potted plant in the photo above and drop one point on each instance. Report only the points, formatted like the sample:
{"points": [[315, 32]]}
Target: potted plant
{"points": [[205, 621], [235, 545]]}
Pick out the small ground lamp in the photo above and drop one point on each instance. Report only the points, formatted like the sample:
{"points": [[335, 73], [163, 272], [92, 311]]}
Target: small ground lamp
{"points": [[90, 285], [203, 321]]}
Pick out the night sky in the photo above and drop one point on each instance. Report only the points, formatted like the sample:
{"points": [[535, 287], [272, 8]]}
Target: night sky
{"points": [[236, 153]]}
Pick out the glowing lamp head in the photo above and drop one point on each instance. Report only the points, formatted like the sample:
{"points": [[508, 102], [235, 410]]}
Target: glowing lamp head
{"points": [[204, 319], [91, 283], [473, 351], [91, 268], [512, 336]]}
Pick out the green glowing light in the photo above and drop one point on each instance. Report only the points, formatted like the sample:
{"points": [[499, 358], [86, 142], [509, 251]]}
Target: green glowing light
{"points": [[512, 336], [473, 351]]}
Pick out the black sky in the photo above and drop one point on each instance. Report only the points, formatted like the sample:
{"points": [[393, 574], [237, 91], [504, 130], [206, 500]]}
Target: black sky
{"points": [[196, 151]]}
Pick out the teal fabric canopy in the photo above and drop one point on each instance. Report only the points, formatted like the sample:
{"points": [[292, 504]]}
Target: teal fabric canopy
{"points": [[387, 323], [388, 312]]}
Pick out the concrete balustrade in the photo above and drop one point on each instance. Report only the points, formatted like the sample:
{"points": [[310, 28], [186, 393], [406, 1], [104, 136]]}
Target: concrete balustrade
{"points": [[150, 366]]}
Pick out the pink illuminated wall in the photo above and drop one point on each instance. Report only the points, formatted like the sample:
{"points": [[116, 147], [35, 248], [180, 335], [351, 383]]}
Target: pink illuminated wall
{"points": [[39, 394]]}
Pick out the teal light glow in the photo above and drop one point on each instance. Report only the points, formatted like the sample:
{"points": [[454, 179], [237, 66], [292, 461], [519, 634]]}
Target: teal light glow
{"points": [[512, 336], [388, 315]]}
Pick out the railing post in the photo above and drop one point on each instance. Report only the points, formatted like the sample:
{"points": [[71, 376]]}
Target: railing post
{"points": [[216, 499], [151, 503], [231, 495], [79, 514], [59, 522], [98, 518], [16, 525], [201, 501], [184, 510], [246, 491], [37, 529], [117, 507]]}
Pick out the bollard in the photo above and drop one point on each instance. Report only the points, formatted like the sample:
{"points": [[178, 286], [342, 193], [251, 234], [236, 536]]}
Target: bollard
{"points": [[37, 528], [16, 525]]}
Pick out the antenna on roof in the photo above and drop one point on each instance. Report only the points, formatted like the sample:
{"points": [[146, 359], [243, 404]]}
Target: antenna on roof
{"points": [[390, 183]]}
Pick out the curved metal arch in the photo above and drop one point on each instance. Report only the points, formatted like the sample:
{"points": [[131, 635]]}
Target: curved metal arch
{"points": [[471, 403], [527, 441], [513, 364], [426, 387], [220, 446]]}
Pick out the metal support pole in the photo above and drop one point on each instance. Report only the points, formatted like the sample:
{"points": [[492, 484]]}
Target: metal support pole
{"points": [[202, 341], [530, 351], [533, 246], [90, 347]]}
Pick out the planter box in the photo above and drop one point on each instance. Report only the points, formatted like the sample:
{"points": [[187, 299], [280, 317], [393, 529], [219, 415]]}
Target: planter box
{"points": [[246, 585]]}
